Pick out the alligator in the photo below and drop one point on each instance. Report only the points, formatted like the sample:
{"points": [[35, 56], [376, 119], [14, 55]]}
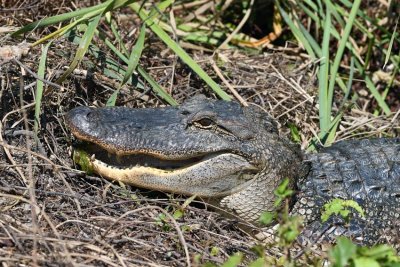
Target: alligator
{"points": [[234, 156]]}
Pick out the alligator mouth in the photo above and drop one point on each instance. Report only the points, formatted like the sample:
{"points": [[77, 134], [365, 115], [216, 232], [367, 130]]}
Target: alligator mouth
{"points": [[207, 175], [153, 160]]}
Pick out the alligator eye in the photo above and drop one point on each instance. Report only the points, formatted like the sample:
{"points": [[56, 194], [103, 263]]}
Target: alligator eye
{"points": [[204, 123]]}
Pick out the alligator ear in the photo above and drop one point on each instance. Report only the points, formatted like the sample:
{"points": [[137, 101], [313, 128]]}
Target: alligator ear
{"points": [[262, 116]]}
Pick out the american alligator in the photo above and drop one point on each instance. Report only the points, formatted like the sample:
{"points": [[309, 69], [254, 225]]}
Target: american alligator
{"points": [[234, 155]]}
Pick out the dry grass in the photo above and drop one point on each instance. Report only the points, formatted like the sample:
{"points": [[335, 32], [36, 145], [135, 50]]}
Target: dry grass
{"points": [[53, 214]]}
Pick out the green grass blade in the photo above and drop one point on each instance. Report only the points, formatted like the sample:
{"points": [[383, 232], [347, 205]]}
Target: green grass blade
{"points": [[357, 23], [39, 87], [330, 137], [335, 13], [310, 13], [370, 85], [132, 65], [114, 30], [112, 69], [350, 81], [335, 123], [136, 54], [388, 87], [161, 7], [59, 18], [324, 110], [115, 50], [201, 37], [314, 45], [82, 48], [340, 51], [389, 51], [310, 4], [110, 5], [296, 31], [73, 24], [60, 31], [156, 87], [88, 36], [179, 51], [361, 14], [370, 50], [320, 9]]}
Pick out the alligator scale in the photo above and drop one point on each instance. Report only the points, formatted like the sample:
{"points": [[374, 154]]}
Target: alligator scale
{"points": [[234, 156]]}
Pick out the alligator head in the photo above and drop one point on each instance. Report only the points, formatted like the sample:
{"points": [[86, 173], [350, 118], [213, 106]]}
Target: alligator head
{"points": [[212, 149]]}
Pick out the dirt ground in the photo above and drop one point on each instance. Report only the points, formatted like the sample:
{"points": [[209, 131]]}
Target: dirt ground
{"points": [[52, 214]]}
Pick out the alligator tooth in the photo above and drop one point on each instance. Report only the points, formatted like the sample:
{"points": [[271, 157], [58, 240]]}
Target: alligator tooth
{"points": [[92, 157]]}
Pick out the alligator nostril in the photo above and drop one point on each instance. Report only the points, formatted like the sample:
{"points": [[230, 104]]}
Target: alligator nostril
{"points": [[91, 115]]}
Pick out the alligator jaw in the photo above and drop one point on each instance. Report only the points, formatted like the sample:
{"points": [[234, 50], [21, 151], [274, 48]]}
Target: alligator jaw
{"points": [[214, 175], [230, 155]]}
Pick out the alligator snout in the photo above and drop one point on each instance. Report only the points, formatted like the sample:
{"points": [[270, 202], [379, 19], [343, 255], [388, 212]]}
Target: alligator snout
{"points": [[78, 119]]}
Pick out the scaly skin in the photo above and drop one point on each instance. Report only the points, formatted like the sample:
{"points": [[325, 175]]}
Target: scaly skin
{"points": [[233, 155], [366, 171]]}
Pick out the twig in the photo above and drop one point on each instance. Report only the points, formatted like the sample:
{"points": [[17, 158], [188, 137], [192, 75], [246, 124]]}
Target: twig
{"points": [[36, 76], [177, 228], [31, 181], [230, 87], [293, 108], [121, 260], [10, 157], [238, 28], [30, 152], [189, 4]]}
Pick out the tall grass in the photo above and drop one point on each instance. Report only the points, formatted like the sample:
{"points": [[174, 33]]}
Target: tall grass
{"points": [[90, 19], [335, 21]]}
